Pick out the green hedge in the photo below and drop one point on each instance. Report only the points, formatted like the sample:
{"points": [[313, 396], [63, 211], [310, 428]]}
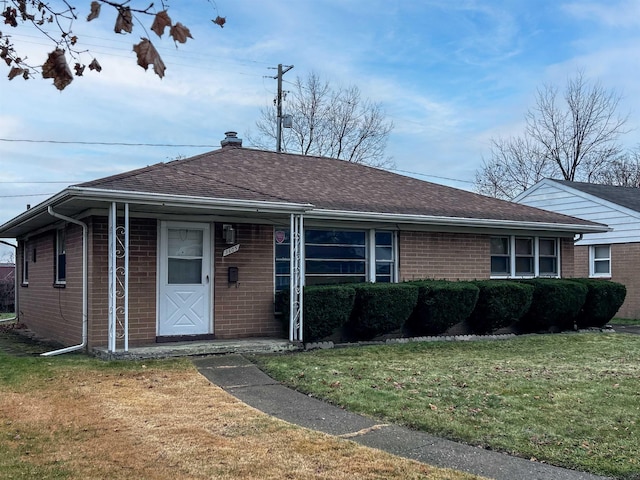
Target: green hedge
{"points": [[555, 305], [604, 299], [380, 308], [500, 304], [325, 309], [441, 304]]}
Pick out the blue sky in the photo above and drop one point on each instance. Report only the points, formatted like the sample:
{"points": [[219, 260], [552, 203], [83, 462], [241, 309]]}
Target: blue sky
{"points": [[450, 74]]}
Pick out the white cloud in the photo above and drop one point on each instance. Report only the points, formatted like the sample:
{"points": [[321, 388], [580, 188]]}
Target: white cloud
{"points": [[624, 13]]}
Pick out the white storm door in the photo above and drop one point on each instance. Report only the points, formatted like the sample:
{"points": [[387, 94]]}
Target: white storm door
{"points": [[184, 277]]}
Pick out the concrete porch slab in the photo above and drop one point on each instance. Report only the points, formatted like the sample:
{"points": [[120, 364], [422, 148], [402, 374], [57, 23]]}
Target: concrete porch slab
{"points": [[209, 347]]}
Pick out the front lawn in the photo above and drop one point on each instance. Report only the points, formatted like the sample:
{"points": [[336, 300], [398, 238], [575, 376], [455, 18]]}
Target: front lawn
{"points": [[73, 417], [572, 400], [625, 321]]}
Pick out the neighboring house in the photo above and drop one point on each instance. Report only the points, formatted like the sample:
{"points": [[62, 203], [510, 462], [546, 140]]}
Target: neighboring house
{"points": [[7, 287], [7, 272], [196, 248], [613, 255]]}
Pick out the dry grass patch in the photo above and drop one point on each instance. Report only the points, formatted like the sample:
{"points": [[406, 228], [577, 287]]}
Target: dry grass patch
{"points": [[165, 421]]}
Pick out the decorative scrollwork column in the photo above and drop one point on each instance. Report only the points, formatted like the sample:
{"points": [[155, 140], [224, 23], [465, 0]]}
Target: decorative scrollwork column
{"points": [[118, 277], [296, 278]]}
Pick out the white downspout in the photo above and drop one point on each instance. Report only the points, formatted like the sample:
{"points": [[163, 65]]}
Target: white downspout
{"points": [[16, 307], [85, 303]]}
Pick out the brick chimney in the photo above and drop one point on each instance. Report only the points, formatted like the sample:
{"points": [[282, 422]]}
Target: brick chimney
{"points": [[231, 140]]}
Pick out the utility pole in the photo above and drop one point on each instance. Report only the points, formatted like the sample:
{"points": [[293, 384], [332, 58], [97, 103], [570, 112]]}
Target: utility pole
{"points": [[281, 72]]}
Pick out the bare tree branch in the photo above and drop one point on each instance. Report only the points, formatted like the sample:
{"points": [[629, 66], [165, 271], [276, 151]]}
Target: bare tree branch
{"points": [[574, 138], [329, 122]]}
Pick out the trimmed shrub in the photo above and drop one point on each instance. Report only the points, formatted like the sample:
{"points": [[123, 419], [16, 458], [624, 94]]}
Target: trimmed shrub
{"points": [[325, 309], [500, 304], [441, 304], [380, 308], [604, 299], [555, 305]]}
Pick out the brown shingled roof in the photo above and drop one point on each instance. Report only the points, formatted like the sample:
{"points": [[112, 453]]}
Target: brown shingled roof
{"points": [[247, 174]]}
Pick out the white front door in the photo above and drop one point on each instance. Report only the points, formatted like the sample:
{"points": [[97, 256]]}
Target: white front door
{"points": [[185, 279]]}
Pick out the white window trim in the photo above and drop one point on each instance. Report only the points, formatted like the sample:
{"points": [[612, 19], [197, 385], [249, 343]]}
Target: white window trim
{"points": [[536, 258], [592, 262]]}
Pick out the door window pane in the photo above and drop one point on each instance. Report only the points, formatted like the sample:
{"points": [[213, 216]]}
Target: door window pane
{"points": [[183, 271], [185, 243], [185, 248]]}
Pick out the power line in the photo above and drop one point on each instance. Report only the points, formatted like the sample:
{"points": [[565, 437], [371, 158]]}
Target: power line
{"points": [[74, 142], [68, 182], [431, 176], [29, 195], [181, 146]]}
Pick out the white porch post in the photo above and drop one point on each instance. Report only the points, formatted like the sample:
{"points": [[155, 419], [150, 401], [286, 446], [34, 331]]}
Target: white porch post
{"points": [[118, 278], [126, 277], [296, 284], [112, 277]]}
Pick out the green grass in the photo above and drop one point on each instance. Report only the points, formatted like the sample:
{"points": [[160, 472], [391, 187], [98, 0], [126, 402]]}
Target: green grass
{"points": [[4, 316], [571, 400], [625, 321]]}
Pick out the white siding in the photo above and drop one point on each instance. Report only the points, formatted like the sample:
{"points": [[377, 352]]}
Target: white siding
{"points": [[566, 200]]}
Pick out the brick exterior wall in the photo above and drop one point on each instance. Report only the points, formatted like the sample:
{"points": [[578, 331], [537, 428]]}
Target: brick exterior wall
{"points": [[143, 237], [450, 256], [457, 256], [581, 259], [52, 312], [245, 309], [625, 261], [567, 259], [240, 310]]}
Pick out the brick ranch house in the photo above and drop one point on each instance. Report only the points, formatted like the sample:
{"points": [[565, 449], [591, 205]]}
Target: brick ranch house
{"points": [[196, 248], [612, 255]]}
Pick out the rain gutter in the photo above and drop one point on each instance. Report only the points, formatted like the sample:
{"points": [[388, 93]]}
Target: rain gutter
{"points": [[85, 303], [454, 221]]}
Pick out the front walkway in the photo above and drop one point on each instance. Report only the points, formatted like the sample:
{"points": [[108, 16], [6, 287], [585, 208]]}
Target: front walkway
{"points": [[245, 381], [209, 347]]}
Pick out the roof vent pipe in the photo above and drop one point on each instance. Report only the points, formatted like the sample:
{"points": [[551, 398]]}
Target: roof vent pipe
{"points": [[231, 140]]}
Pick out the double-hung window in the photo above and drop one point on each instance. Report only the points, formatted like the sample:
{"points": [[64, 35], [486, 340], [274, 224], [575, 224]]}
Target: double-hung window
{"points": [[25, 263], [61, 257], [524, 257], [500, 256], [600, 261], [547, 257]]}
